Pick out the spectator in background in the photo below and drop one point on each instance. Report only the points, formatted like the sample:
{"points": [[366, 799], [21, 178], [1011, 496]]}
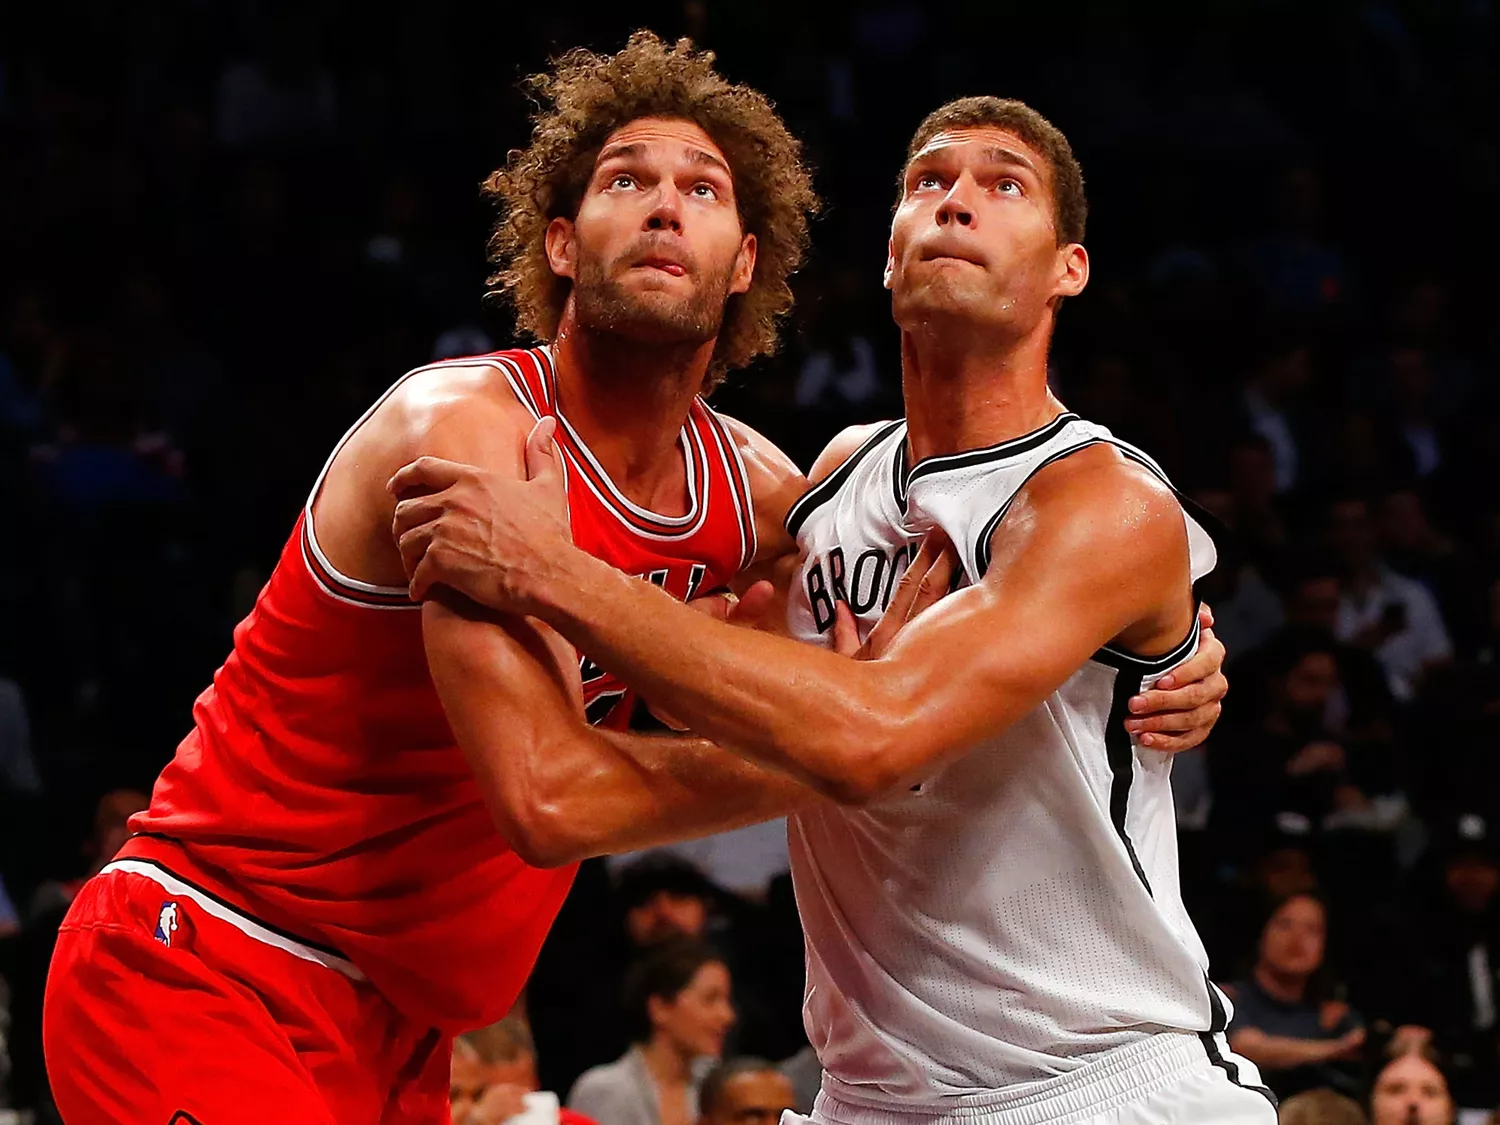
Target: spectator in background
{"points": [[678, 1004], [1284, 1021], [1321, 1107], [1269, 400], [493, 1071], [1411, 1090], [744, 1091], [1306, 754], [1446, 973], [805, 1073], [1393, 617], [663, 897]]}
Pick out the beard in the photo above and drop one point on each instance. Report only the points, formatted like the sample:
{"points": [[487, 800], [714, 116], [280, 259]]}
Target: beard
{"points": [[603, 303]]}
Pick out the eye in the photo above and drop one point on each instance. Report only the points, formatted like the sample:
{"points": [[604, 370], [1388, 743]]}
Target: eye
{"points": [[1009, 187], [705, 191], [928, 180], [621, 180]]}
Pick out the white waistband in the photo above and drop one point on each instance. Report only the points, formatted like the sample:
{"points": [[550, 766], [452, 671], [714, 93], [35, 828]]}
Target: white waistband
{"points": [[224, 913], [1116, 1078]]}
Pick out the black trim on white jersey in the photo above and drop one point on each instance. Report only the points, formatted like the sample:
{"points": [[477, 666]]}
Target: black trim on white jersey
{"points": [[898, 477], [825, 490], [1121, 754], [1218, 1021], [1006, 449], [982, 544]]}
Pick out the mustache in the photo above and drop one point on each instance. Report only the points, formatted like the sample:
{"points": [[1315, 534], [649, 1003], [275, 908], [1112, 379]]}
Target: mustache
{"points": [[654, 246]]}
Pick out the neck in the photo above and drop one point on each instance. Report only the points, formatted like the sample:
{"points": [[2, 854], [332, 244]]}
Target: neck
{"points": [[628, 401], [1289, 988], [966, 393], [666, 1063]]}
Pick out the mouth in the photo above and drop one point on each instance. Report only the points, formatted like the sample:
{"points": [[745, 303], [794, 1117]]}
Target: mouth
{"points": [[669, 266]]}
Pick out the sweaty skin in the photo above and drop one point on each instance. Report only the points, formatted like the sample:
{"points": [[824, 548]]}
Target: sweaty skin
{"points": [[1093, 551]]}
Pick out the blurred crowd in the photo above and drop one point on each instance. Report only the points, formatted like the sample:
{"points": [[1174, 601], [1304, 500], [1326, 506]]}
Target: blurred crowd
{"points": [[226, 228]]}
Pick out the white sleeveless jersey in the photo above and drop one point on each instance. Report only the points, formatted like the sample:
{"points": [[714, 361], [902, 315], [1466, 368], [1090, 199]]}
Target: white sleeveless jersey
{"points": [[1017, 914]]}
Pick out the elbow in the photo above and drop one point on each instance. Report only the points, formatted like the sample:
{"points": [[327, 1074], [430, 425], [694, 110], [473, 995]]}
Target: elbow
{"points": [[867, 757], [540, 833], [545, 846]]}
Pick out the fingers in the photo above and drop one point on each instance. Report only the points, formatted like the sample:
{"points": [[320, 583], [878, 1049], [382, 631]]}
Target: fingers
{"points": [[1174, 742], [1195, 694], [1176, 722], [413, 545], [417, 510], [1205, 616], [938, 580], [753, 604], [845, 630], [541, 454], [425, 474], [1208, 659], [424, 575], [718, 604]]}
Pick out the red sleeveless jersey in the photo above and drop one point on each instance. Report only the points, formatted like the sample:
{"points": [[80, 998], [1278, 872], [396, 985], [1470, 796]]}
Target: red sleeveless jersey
{"points": [[321, 791]]}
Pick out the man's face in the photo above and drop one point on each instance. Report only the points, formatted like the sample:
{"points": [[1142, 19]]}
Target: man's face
{"points": [[1292, 942], [1411, 1091], [1315, 602], [656, 248], [470, 1078], [754, 1098], [974, 238], [666, 914]]}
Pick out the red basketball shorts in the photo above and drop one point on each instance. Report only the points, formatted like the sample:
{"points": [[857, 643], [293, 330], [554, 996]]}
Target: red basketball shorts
{"points": [[167, 1007]]}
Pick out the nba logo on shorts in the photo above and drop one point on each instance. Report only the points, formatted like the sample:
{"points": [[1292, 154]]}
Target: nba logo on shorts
{"points": [[166, 923]]}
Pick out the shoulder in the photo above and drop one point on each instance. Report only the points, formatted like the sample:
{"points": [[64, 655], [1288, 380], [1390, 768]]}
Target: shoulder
{"points": [[459, 410], [1099, 496], [775, 485], [844, 446], [603, 1084]]}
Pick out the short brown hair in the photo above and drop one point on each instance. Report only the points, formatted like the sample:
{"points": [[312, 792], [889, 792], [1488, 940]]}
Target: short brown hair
{"points": [[501, 1042], [585, 98], [1322, 1107], [1069, 203]]}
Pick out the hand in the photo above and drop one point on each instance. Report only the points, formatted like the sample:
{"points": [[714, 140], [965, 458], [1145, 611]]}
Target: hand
{"points": [[927, 580], [1346, 1048], [1183, 706], [1331, 1014], [482, 533], [1316, 757]]}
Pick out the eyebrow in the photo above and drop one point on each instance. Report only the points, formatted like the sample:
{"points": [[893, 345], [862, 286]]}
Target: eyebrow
{"points": [[992, 154], [696, 157]]}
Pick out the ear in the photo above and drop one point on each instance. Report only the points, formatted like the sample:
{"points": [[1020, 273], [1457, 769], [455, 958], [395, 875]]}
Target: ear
{"points": [[562, 248], [656, 1010], [1074, 262], [744, 265], [890, 262]]}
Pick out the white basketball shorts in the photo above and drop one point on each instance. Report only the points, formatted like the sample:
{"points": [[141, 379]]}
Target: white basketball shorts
{"points": [[1176, 1079]]}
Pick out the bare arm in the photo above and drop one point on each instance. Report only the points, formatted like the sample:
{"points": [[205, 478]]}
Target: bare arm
{"points": [[1280, 1052], [557, 788], [1093, 551]]}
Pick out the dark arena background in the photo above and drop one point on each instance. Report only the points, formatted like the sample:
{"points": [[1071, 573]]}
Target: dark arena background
{"points": [[226, 228]]}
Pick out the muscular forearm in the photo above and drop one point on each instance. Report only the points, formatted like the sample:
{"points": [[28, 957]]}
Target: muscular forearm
{"points": [[614, 791], [823, 718]]}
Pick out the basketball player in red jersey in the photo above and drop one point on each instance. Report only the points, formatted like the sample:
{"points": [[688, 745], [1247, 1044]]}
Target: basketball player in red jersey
{"points": [[318, 897]]}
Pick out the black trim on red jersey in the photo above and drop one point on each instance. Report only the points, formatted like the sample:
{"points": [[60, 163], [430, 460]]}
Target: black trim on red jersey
{"points": [[183, 1117], [337, 585], [227, 905]]}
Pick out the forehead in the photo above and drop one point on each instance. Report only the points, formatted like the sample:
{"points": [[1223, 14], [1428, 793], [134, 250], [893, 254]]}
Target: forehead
{"points": [[971, 141], [759, 1086], [668, 136]]}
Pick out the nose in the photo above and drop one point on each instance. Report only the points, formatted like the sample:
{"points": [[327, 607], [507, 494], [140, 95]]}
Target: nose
{"points": [[666, 209], [955, 207]]}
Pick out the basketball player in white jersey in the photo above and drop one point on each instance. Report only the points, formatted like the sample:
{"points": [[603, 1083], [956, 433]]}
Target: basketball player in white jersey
{"points": [[994, 928]]}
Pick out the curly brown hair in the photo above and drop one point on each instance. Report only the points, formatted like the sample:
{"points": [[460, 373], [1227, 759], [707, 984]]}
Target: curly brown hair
{"points": [[1069, 203], [584, 99]]}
